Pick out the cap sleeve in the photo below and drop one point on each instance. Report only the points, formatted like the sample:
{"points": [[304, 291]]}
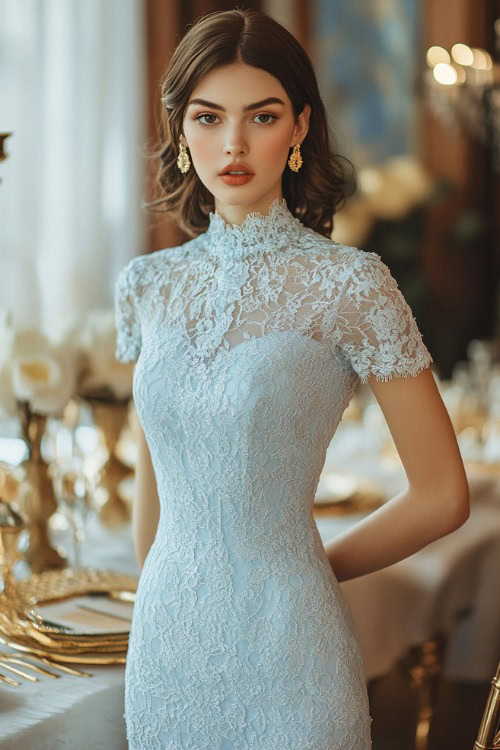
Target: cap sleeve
{"points": [[375, 328], [127, 321]]}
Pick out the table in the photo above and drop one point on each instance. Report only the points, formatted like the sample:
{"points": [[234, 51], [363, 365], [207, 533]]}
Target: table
{"points": [[73, 712], [427, 592], [449, 586]]}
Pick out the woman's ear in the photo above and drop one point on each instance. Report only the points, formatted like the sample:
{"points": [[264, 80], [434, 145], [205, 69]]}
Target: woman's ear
{"points": [[302, 126]]}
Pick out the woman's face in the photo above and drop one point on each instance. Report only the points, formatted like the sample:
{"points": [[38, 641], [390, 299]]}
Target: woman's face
{"points": [[228, 128]]}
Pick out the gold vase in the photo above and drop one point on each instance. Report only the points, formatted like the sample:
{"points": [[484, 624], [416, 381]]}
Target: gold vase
{"points": [[37, 500], [11, 525], [110, 418]]}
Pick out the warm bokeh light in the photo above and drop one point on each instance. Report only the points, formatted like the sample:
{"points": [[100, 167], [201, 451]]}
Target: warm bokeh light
{"points": [[461, 75], [481, 59], [437, 55], [369, 180], [446, 74], [462, 54]]}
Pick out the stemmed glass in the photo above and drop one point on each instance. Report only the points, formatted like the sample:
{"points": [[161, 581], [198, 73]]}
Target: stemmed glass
{"points": [[73, 493]]}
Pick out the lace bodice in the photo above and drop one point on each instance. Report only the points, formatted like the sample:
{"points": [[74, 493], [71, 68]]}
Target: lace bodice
{"points": [[250, 341], [271, 275]]}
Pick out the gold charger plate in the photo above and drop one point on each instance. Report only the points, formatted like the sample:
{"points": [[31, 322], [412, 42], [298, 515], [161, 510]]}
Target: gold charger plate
{"points": [[16, 626], [25, 631], [55, 585], [59, 632], [60, 585], [85, 658]]}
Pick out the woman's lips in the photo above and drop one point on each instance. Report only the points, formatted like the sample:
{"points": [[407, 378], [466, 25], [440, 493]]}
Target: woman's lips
{"points": [[236, 179]]}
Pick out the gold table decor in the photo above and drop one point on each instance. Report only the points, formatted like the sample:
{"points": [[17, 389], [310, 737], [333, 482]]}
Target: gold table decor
{"points": [[342, 494], [11, 479], [25, 630], [37, 500], [110, 417], [11, 525], [55, 585], [88, 658]]}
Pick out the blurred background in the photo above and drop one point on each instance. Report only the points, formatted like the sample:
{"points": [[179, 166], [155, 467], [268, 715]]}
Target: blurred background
{"points": [[412, 90], [413, 99]]}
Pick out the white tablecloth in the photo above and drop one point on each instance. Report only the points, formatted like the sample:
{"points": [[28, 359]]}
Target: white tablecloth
{"points": [[72, 713], [451, 585], [407, 603], [392, 609]]}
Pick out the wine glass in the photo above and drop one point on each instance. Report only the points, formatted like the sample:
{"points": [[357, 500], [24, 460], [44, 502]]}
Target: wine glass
{"points": [[73, 491]]}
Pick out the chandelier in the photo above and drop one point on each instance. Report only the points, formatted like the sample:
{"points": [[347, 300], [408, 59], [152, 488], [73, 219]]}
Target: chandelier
{"points": [[462, 88]]}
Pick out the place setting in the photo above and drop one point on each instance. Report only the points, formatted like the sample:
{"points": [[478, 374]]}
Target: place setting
{"points": [[70, 615]]}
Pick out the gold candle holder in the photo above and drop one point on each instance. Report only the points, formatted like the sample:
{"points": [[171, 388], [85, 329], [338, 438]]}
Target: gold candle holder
{"points": [[110, 417], [11, 525], [37, 499]]}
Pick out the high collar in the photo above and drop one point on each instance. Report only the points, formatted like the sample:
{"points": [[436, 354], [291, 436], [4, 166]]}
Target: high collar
{"points": [[258, 233]]}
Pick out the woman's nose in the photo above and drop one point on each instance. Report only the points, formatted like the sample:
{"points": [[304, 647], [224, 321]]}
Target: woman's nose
{"points": [[235, 142]]}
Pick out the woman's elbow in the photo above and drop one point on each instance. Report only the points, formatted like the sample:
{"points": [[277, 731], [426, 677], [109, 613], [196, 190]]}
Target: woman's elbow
{"points": [[458, 506]]}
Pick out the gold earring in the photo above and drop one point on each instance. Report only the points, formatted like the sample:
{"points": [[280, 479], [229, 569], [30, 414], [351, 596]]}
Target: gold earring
{"points": [[183, 161], [295, 161]]}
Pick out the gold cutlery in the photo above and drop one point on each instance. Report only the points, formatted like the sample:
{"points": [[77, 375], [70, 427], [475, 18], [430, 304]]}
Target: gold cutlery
{"points": [[62, 667], [4, 656], [27, 676], [3, 678], [19, 658]]}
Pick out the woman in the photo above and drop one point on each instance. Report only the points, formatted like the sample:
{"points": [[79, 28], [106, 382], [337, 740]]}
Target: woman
{"points": [[253, 336]]}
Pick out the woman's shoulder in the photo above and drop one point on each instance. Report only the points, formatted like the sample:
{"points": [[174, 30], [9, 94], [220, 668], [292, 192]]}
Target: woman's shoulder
{"points": [[145, 268], [345, 260], [349, 255]]}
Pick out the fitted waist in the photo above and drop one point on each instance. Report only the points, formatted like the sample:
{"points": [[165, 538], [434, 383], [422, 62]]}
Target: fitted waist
{"points": [[213, 547]]}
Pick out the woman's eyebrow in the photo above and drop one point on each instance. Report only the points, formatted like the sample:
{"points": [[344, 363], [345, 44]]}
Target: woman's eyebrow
{"points": [[255, 105]]}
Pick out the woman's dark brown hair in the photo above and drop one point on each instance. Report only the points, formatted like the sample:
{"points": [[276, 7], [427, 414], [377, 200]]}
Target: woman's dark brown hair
{"points": [[318, 189]]}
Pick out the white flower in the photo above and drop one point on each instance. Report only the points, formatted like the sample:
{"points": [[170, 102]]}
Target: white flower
{"points": [[42, 372], [96, 339]]}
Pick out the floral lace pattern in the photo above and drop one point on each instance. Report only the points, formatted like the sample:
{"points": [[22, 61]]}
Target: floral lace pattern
{"points": [[250, 341]]}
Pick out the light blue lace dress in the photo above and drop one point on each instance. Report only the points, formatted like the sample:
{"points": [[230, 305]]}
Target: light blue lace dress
{"points": [[250, 341]]}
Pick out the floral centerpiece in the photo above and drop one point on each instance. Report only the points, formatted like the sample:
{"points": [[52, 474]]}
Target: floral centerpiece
{"points": [[39, 376]]}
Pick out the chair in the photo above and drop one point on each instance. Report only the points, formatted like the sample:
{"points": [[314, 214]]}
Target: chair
{"points": [[422, 667], [488, 737]]}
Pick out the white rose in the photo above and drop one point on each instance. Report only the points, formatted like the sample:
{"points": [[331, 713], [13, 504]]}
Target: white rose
{"points": [[42, 372], [96, 335]]}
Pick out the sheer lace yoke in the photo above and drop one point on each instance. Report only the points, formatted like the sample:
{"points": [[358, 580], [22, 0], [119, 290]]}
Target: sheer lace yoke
{"points": [[269, 276], [258, 233]]}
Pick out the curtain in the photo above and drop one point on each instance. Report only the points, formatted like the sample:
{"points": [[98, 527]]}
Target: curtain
{"points": [[72, 93]]}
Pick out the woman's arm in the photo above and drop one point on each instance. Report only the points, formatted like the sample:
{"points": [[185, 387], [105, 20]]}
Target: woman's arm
{"points": [[146, 506], [436, 501]]}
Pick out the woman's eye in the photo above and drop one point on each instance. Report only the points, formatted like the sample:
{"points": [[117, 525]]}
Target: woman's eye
{"points": [[265, 114], [198, 117], [262, 114]]}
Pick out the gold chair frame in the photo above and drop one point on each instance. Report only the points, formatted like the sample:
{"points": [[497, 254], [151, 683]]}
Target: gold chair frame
{"points": [[488, 737]]}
